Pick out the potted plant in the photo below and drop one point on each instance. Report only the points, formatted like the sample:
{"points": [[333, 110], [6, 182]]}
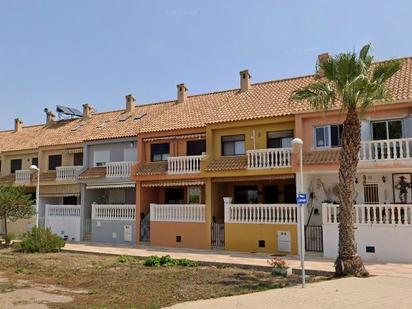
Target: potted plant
{"points": [[280, 267]]}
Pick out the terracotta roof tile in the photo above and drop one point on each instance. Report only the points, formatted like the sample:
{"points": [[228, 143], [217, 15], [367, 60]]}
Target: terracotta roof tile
{"points": [[267, 99], [93, 173], [230, 163], [49, 176], [321, 157], [152, 168]]}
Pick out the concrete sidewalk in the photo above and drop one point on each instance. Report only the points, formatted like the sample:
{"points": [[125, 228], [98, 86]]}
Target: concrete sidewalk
{"points": [[373, 292], [236, 258]]}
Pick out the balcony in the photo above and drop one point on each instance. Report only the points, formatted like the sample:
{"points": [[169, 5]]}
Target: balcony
{"points": [[184, 164], [269, 158], [67, 173], [23, 176], [114, 212], [386, 150], [178, 212], [261, 213], [119, 169], [371, 214]]}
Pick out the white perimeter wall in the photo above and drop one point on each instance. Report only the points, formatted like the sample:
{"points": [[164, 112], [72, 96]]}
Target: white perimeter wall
{"points": [[392, 243], [65, 226]]}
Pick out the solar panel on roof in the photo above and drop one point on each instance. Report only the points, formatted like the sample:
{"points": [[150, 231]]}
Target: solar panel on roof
{"points": [[68, 111]]}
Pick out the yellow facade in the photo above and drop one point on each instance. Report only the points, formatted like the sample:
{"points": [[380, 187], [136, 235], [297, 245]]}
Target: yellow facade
{"points": [[246, 237]]}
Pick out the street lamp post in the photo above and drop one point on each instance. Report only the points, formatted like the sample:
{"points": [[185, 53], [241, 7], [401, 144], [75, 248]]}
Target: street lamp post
{"points": [[298, 143], [35, 169]]}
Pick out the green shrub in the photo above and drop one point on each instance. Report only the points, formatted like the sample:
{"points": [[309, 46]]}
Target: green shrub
{"points": [[125, 259], [152, 261], [40, 240], [167, 261], [10, 237]]}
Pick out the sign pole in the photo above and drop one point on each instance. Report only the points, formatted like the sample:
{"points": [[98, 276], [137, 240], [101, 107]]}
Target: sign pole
{"points": [[302, 225]]}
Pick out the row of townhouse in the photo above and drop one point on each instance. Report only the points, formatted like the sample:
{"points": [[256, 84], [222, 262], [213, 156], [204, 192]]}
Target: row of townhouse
{"points": [[217, 170]]}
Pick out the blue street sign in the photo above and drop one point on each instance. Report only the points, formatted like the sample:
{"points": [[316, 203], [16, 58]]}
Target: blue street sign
{"points": [[302, 198]]}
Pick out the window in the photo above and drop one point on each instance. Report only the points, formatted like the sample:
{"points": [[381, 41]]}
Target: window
{"points": [[389, 129], [174, 195], [196, 148], [194, 195], [246, 194], [70, 200], [101, 157], [78, 159], [160, 152], [233, 145], [130, 154], [55, 161], [282, 139], [328, 136], [371, 193], [35, 161], [15, 165]]}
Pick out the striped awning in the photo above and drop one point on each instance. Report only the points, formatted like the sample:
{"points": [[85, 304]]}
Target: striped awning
{"points": [[164, 138], [76, 150], [112, 185], [181, 183], [60, 190]]}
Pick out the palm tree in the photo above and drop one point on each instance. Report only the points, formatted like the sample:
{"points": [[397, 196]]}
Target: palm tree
{"points": [[355, 84]]}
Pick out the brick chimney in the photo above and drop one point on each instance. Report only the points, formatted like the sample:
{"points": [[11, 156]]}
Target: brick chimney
{"points": [[18, 125], [244, 80], [322, 58], [87, 111], [50, 118], [181, 93], [130, 103]]}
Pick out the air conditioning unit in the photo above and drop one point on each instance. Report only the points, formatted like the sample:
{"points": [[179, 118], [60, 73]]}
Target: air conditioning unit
{"points": [[284, 242]]}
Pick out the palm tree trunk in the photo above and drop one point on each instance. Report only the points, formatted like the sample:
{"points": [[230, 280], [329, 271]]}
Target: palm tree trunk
{"points": [[348, 261]]}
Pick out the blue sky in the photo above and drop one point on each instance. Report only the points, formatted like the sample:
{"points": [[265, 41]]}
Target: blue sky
{"points": [[96, 51]]}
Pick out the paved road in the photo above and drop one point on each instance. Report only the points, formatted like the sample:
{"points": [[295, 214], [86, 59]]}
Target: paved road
{"points": [[374, 293]]}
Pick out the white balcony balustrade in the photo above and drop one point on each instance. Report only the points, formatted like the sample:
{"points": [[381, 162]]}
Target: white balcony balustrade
{"points": [[371, 214], [178, 212], [67, 173], [261, 213], [62, 210], [184, 164], [114, 212], [23, 176], [269, 158], [119, 169], [384, 150]]}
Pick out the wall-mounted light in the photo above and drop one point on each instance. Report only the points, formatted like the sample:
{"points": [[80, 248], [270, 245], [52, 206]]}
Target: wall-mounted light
{"points": [[383, 179], [356, 180]]}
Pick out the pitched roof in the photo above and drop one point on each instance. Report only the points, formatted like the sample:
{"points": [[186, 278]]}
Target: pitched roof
{"points": [[93, 173], [106, 125], [229, 163], [152, 168], [321, 157], [262, 100]]}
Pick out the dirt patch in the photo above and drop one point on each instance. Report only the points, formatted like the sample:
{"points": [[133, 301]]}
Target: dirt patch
{"points": [[102, 282]]}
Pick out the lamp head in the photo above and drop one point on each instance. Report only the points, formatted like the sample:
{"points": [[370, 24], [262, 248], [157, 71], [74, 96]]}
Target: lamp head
{"points": [[33, 168], [297, 142]]}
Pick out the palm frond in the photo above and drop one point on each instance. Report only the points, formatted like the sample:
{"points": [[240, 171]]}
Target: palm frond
{"points": [[319, 94], [386, 70]]}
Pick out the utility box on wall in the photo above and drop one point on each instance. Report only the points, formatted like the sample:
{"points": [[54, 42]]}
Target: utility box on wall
{"points": [[284, 241], [127, 234]]}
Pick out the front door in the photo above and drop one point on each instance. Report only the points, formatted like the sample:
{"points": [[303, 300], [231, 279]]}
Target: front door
{"points": [[272, 194]]}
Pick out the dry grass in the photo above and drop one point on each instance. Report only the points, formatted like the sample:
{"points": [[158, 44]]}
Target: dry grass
{"points": [[110, 284]]}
